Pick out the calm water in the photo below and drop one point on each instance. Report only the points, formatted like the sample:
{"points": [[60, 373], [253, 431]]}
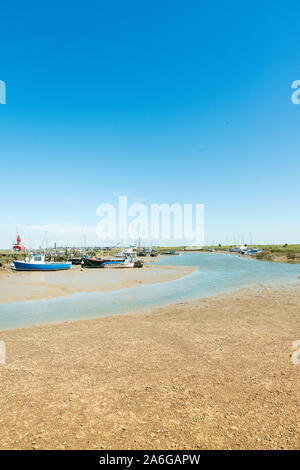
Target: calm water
{"points": [[216, 273]]}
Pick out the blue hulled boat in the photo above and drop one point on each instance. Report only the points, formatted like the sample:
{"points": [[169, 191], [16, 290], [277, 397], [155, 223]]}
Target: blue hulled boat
{"points": [[38, 263]]}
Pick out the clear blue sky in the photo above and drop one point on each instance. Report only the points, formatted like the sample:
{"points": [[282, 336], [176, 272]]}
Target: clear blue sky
{"points": [[163, 101]]}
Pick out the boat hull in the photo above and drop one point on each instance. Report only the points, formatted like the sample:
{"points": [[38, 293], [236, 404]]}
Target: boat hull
{"points": [[24, 266], [121, 264], [111, 263], [76, 261], [93, 263], [114, 262]]}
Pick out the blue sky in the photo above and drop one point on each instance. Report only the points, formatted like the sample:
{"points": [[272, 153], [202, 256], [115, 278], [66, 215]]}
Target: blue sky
{"points": [[162, 101]]}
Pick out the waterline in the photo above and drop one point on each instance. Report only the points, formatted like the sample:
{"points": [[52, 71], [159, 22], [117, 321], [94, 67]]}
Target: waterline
{"points": [[215, 274]]}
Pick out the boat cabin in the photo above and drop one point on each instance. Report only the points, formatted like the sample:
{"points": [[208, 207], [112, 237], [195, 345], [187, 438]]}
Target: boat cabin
{"points": [[37, 259]]}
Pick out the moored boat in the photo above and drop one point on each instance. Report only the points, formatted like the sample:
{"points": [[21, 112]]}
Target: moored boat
{"points": [[75, 261], [110, 263], [129, 261], [38, 263]]}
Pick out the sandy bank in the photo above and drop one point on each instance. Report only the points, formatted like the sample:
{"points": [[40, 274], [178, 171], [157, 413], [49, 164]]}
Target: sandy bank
{"points": [[18, 286], [290, 258], [215, 373]]}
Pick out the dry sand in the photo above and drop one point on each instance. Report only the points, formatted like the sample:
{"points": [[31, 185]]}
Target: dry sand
{"points": [[215, 373], [17, 286]]}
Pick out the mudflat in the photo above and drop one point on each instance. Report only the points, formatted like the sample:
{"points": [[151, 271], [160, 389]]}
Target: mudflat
{"points": [[216, 373], [19, 285]]}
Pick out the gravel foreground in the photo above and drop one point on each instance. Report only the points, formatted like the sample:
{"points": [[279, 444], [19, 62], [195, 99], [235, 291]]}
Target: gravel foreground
{"points": [[216, 373]]}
